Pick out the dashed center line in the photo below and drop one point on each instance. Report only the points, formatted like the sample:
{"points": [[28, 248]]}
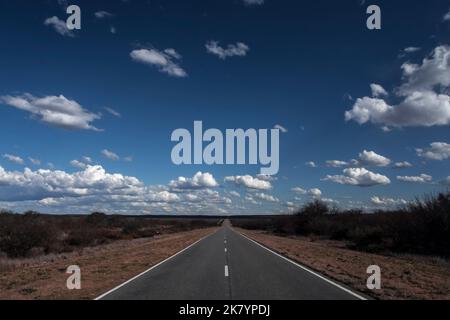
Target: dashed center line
{"points": [[226, 271], [225, 249]]}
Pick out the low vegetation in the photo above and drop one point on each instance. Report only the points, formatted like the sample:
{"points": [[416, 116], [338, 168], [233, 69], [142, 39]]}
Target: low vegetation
{"points": [[33, 234], [422, 227]]}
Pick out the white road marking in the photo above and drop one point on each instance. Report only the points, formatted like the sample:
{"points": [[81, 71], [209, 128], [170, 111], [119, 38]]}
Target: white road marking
{"points": [[305, 269], [226, 271], [225, 249], [150, 269]]}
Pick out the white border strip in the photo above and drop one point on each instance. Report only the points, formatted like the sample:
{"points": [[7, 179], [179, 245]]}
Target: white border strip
{"points": [[150, 269], [305, 268]]}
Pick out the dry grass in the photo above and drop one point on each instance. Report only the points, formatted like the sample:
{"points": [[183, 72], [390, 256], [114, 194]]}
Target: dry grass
{"points": [[403, 276], [102, 267]]}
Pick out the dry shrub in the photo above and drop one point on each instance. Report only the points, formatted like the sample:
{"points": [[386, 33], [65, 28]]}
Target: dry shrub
{"points": [[32, 234], [423, 227]]}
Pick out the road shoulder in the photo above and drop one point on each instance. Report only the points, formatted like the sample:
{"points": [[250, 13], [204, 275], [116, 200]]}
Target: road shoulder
{"points": [[102, 267], [403, 277]]}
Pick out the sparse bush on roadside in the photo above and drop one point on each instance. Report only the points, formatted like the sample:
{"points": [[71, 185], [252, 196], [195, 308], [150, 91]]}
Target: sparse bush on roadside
{"points": [[82, 237], [33, 234], [17, 239], [423, 227], [130, 228], [97, 219], [315, 208]]}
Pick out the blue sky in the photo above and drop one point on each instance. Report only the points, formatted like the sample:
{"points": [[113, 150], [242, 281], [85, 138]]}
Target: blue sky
{"points": [[96, 107]]}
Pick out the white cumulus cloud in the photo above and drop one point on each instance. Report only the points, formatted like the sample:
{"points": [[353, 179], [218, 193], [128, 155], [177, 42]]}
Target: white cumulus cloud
{"points": [[232, 50], [411, 49], [13, 159], [166, 61], [88, 159], [266, 177], [110, 155], [408, 50], [424, 96], [103, 14], [34, 161], [403, 164], [265, 197], [78, 164], [387, 202], [298, 190], [311, 164], [113, 112], [249, 182], [359, 177], [54, 110], [337, 163], [316, 193], [370, 158], [446, 16], [423, 178], [198, 181], [59, 26], [378, 90], [437, 151], [235, 194]]}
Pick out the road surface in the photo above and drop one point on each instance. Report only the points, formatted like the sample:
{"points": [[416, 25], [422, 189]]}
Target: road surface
{"points": [[228, 266]]}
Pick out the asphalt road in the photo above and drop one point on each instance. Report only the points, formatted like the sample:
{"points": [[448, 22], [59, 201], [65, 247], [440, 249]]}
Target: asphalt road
{"points": [[228, 266]]}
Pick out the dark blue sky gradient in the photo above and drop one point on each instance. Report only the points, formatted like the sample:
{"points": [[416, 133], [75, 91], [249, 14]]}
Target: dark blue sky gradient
{"points": [[305, 58]]}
